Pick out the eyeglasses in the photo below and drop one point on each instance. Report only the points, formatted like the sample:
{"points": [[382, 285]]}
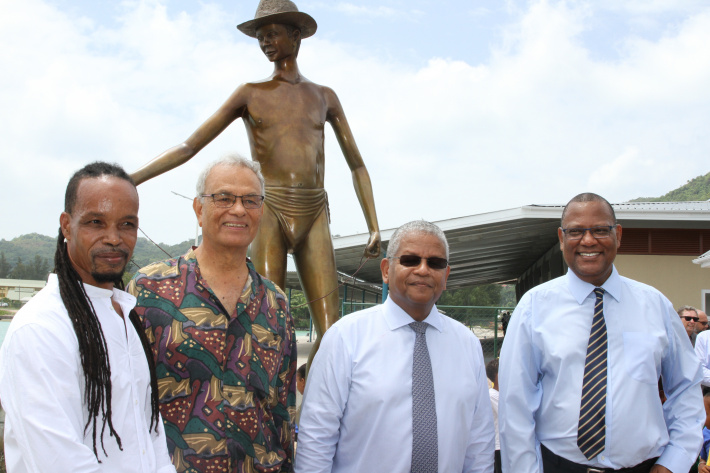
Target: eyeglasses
{"points": [[703, 323], [597, 232], [225, 200], [688, 318], [410, 261]]}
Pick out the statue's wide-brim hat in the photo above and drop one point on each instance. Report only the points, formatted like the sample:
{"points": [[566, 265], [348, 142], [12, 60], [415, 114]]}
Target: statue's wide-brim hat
{"points": [[282, 12]]}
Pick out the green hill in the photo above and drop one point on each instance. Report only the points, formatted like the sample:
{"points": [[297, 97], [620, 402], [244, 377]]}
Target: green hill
{"points": [[697, 189], [32, 256]]}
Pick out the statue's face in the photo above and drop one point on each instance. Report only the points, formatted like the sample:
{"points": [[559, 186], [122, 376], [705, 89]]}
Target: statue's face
{"points": [[275, 41]]}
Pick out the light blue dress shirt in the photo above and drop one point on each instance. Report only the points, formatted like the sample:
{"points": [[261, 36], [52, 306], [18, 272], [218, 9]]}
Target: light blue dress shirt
{"points": [[357, 407], [542, 366]]}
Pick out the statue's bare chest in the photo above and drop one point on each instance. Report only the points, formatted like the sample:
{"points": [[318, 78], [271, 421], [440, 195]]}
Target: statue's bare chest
{"points": [[300, 106]]}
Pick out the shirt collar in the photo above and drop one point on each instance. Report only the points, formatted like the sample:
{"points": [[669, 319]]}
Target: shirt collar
{"points": [[580, 289], [396, 317], [126, 300]]}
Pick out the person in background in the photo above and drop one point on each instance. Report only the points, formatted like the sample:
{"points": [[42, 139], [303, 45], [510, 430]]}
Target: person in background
{"points": [[689, 316], [702, 465], [301, 378], [505, 320], [702, 324], [300, 386], [492, 373]]}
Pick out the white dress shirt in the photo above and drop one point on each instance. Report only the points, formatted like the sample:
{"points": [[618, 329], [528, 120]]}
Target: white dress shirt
{"points": [[494, 404], [542, 367], [357, 407], [42, 392], [702, 349]]}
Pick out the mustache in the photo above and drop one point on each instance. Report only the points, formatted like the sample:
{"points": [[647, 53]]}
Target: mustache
{"points": [[113, 251]]}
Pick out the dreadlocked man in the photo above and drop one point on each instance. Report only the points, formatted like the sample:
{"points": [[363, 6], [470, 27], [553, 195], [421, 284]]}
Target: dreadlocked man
{"points": [[76, 374]]}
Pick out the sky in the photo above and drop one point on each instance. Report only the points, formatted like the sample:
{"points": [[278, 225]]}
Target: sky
{"points": [[457, 107]]}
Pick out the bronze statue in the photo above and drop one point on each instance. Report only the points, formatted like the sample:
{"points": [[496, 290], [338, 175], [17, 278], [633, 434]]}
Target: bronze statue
{"points": [[285, 116]]}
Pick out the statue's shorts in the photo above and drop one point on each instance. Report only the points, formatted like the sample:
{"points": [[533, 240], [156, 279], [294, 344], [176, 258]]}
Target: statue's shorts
{"points": [[296, 210]]}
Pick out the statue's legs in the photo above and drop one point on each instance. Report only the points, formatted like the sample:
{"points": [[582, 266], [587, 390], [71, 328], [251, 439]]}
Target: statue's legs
{"points": [[268, 250], [315, 261]]}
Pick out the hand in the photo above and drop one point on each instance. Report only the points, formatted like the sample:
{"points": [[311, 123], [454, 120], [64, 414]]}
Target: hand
{"points": [[662, 469], [372, 250], [703, 468]]}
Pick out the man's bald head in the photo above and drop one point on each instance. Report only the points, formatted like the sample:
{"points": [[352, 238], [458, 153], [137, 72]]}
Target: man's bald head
{"points": [[702, 324]]}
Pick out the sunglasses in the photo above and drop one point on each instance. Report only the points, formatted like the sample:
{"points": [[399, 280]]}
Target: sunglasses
{"points": [[411, 261], [689, 318]]}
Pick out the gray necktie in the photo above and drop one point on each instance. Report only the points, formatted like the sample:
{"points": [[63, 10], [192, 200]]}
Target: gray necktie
{"points": [[425, 445]]}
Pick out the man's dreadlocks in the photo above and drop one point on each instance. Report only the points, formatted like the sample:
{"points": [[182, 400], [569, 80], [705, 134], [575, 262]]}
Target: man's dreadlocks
{"points": [[92, 344]]}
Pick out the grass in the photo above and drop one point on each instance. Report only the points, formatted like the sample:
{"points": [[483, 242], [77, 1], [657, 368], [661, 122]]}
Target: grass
{"points": [[2, 462]]}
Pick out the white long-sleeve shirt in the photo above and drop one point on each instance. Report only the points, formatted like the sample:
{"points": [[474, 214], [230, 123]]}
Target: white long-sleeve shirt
{"points": [[42, 392], [357, 407], [702, 349]]}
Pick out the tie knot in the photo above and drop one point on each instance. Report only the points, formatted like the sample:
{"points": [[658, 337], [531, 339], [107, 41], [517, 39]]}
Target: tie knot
{"points": [[419, 327], [599, 292]]}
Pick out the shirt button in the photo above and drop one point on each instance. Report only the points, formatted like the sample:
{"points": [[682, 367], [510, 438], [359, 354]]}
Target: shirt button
{"points": [[135, 401], [602, 457]]}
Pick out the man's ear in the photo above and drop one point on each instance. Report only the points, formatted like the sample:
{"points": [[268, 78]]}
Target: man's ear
{"points": [[64, 220], [618, 236], [446, 278], [385, 268], [197, 207]]}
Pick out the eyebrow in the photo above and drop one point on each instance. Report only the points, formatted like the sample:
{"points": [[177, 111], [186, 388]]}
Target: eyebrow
{"points": [[99, 214], [232, 193]]}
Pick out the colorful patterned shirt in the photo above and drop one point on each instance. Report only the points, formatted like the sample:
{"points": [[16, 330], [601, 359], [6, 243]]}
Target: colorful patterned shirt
{"points": [[226, 379]]}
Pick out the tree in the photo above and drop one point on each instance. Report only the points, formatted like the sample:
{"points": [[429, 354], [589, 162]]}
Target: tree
{"points": [[487, 295], [20, 271], [39, 268], [4, 266], [507, 295], [299, 310]]}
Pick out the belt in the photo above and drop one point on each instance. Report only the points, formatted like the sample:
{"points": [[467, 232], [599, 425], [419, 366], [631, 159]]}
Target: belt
{"points": [[572, 467]]}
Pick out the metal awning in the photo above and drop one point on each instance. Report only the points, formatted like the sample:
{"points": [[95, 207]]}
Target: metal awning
{"points": [[497, 247]]}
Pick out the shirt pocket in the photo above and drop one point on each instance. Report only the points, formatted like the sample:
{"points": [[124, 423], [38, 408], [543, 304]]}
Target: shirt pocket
{"points": [[642, 356]]}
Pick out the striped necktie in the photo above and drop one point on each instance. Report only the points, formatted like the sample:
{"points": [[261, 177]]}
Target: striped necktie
{"points": [[425, 444], [592, 413]]}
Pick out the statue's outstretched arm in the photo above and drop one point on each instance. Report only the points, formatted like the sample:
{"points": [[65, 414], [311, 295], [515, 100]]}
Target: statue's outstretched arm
{"points": [[361, 178], [205, 133]]}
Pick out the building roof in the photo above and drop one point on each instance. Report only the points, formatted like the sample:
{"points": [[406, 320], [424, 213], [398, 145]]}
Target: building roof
{"points": [[13, 283], [499, 246], [703, 260]]}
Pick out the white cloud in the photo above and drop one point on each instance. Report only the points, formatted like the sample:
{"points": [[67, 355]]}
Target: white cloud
{"points": [[540, 121], [651, 7], [359, 10]]}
